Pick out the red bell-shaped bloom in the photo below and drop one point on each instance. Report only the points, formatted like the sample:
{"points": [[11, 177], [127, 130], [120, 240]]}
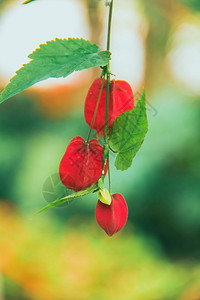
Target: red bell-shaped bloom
{"points": [[114, 216], [120, 100], [81, 165]]}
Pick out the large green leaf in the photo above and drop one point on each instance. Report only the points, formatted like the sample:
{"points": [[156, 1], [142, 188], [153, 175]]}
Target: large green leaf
{"points": [[57, 58], [127, 134]]}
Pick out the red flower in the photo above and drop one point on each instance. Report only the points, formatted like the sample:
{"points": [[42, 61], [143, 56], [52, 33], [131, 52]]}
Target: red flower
{"points": [[120, 100], [81, 165], [114, 216]]}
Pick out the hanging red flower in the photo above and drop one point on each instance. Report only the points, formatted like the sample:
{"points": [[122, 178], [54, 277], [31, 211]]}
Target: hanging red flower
{"points": [[120, 100], [81, 165], [114, 216]]}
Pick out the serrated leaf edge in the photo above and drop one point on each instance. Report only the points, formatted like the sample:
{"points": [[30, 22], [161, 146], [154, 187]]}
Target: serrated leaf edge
{"points": [[31, 59]]}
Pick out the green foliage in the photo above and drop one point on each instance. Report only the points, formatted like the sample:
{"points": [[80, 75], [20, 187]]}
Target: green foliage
{"points": [[127, 134], [57, 58]]}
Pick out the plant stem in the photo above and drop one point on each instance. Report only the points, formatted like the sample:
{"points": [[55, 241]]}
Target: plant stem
{"points": [[95, 112], [106, 146], [109, 26], [109, 177]]}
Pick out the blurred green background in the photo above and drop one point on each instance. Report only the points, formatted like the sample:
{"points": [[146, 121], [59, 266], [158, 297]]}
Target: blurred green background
{"points": [[62, 254]]}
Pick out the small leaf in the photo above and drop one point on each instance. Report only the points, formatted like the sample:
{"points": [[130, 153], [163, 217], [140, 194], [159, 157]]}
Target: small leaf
{"points": [[57, 58], [127, 134], [93, 188]]}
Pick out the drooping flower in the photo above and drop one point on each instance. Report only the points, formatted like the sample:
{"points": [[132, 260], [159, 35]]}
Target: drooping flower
{"points": [[81, 165], [112, 218], [120, 100]]}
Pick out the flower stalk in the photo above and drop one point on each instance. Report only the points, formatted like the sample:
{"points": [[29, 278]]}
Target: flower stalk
{"points": [[106, 145]]}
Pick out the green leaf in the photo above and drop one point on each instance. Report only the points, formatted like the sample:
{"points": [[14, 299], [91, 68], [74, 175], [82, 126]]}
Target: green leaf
{"points": [[57, 58], [127, 134], [93, 188]]}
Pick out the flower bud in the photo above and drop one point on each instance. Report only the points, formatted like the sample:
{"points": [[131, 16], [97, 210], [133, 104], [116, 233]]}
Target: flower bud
{"points": [[113, 217], [104, 196]]}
